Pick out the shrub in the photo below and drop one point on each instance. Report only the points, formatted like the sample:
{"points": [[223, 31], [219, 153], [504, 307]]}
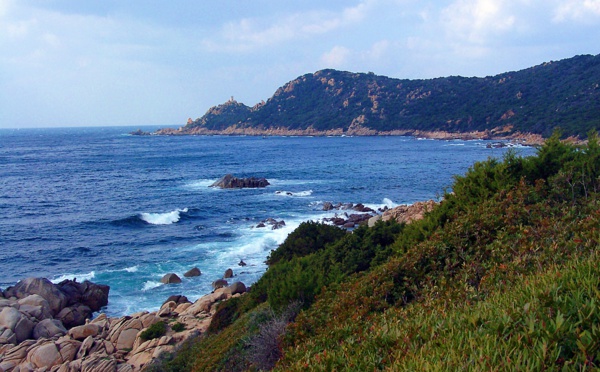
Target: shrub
{"points": [[156, 330], [178, 327], [308, 238]]}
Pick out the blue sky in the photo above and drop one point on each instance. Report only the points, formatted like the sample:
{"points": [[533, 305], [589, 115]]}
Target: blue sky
{"points": [[137, 62]]}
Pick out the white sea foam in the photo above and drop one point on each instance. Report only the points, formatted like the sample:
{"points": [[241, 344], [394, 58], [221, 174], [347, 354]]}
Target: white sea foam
{"points": [[202, 184], [132, 269], [291, 193], [80, 277], [163, 218], [148, 285], [278, 182]]}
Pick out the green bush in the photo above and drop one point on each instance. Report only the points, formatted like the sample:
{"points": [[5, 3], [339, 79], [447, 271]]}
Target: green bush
{"points": [[308, 238], [178, 327], [156, 330]]}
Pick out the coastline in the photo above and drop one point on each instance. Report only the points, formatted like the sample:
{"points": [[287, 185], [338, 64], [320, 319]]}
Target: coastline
{"points": [[117, 343], [524, 139]]}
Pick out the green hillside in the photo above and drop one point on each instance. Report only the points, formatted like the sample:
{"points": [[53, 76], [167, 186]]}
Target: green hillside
{"points": [[503, 275], [563, 94]]}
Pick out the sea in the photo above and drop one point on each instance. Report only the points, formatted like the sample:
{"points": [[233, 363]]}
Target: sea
{"points": [[99, 204]]}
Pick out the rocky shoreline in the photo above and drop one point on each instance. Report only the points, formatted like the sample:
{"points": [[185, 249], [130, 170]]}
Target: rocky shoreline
{"points": [[48, 327], [499, 134]]}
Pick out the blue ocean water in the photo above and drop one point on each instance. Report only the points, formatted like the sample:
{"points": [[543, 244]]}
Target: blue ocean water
{"points": [[122, 210]]}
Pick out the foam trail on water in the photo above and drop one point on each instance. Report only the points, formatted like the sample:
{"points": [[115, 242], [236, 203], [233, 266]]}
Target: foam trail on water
{"points": [[163, 218], [79, 277]]}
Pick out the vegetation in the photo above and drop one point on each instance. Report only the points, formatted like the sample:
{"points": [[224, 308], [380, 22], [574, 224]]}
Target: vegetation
{"points": [[156, 330], [562, 94], [503, 275]]}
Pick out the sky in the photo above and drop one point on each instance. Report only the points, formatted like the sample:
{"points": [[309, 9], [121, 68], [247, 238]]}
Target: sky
{"points": [[152, 62]]}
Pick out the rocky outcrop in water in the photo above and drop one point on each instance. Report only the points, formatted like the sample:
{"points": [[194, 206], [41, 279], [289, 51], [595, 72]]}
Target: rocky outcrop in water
{"points": [[231, 182]]}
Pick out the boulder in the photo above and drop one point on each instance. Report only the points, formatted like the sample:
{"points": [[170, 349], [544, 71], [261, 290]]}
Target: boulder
{"points": [[84, 331], [73, 316], [178, 299], [49, 328], [36, 306], [9, 317], [192, 272], [92, 295], [45, 355], [373, 220], [327, 206], [170, 278], [242, 263], [231, 182], [43, 287], [228, 274], [17, 322], [236, 287], [361, 208], [219, 283], [8, 337]]}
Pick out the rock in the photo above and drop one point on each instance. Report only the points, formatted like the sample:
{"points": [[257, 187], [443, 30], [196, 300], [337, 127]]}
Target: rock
{"points": [[9, 316], [99, 363], [178, 299], [231, 182], [409, 213], [166, 309], [8, 337], [36, 300], [192, 272], [236, 287], [46, 355], [68, 349], [73, 316], [361, 208], [228, 274], [17, 322], [84, 331], [92, 295], [327, 206], [49, 328], [373, 220], [126, 339], [242, 263], [219, 283], [170, 278], [43, 287]]}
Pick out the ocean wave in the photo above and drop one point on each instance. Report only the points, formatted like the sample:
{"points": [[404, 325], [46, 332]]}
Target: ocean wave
{"points": [[166, 218], [148, 285], [291, 193], [132, 269], [80, 277]]}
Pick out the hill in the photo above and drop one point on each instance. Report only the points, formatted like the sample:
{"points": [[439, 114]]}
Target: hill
{"points": [[536, 100], [502, 275]]}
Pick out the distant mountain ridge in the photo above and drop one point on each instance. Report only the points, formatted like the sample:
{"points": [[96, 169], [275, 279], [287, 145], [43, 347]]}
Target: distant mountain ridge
{"points": [[535, 100]]}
